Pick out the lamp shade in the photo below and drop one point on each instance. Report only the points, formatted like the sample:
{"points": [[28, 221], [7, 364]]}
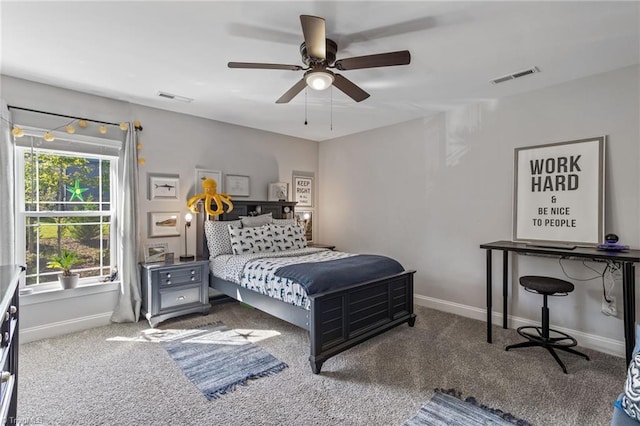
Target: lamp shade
{"points": [[319, 80]]}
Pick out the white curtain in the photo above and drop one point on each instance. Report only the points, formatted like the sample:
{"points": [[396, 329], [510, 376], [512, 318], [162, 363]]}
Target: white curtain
{"points": [[128, 307], [7, 230]]}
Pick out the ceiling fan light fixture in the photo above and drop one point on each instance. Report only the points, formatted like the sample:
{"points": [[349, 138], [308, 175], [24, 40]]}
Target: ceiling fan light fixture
{"points": [[319, 80]]}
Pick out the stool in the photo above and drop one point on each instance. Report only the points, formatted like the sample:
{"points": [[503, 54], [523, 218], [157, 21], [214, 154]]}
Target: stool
{"points": [[547, 286]]}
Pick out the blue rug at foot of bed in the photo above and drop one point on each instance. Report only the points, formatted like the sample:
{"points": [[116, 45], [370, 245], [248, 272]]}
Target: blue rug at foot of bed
{"points": [[217, 359]]}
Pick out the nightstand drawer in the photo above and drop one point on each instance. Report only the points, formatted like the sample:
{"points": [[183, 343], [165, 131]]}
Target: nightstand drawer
{"points": [[179, 276], [178, 297]]}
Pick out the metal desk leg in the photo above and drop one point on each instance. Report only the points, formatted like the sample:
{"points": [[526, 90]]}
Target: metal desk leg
{"points": [[505, 286], [629, 303], [489, 296]]}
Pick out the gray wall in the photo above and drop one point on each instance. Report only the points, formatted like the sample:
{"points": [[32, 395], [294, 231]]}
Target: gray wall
{"points": [[172, 143], [429, 191]]}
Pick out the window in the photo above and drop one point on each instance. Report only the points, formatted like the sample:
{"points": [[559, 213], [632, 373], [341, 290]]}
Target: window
{"points": [[65, 200]]}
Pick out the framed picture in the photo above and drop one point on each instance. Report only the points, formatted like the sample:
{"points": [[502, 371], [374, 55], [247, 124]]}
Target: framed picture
{"points": [[155, 252], [164, 224], [278, 191], [237, 185], [559, 192], [304, 218], [202, 174], [303, 191], [169, 258], [164, 187]]}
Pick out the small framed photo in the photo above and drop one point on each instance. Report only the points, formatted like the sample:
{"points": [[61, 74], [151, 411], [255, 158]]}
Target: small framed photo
{"points": [[278, 191], [155, 252], [163, 187], [169, 258], [202, 174], [164, 224], [305, 220], [237, 185]]}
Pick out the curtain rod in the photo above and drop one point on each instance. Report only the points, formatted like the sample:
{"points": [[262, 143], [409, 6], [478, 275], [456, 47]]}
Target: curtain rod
{"points": [[61, 115]]}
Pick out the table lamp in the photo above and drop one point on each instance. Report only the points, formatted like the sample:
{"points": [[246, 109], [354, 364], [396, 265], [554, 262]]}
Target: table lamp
{"points": [[187, 223]]}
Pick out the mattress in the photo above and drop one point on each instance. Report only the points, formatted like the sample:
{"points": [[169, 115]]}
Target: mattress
{"points": [[255, 271]]}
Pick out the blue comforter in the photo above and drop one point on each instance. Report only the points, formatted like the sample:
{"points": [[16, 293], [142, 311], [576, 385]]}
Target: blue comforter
{"points": [[317, 277]]}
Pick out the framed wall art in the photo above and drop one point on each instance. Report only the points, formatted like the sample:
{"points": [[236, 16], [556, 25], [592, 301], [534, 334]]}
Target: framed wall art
{"points": [[202, 174], [559, 192], [278, 191], [164, 224], [163, 186], [237, 185], [155, 252], [303, 191]]}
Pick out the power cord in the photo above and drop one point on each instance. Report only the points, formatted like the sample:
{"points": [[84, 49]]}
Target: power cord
{"points": [[611, 267]]}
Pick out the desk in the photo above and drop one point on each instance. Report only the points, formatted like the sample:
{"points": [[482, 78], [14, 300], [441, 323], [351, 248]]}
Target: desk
{"points": [[627, 259]]}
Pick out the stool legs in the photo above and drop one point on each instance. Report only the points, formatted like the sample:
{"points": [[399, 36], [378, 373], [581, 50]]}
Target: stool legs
{"points": [[542, 338]]}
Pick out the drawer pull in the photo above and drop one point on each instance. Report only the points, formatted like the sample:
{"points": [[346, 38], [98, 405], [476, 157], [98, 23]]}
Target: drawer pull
{"points": [[180, 298], [168, 275], [168, 281], [13, 310], [193, 278], [7, 316], [5, 376], [5, 337], [193, 272]]}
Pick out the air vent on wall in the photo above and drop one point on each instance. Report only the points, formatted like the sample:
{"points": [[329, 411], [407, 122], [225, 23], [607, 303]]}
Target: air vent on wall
{"points": [[174, 97], [515, 75]]}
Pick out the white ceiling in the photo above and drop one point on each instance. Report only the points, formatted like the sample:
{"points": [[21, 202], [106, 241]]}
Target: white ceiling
{"points": [[132, 50]]}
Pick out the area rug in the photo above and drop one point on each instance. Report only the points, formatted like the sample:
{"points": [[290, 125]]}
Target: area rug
{"points": [[217, 359], [447, 407]]}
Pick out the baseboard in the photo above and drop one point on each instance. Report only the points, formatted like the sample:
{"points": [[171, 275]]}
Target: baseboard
{"points": [[590, 341], [32, 334]]}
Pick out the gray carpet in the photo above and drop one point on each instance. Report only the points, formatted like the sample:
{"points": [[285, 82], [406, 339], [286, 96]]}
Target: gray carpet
{"points": [[85, 379]]}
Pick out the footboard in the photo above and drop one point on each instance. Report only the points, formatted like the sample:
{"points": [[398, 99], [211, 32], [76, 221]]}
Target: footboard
{"points": [[342, 319]]}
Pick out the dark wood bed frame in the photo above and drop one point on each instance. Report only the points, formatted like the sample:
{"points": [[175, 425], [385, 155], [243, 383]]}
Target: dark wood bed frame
{"points": [[337, 320]]}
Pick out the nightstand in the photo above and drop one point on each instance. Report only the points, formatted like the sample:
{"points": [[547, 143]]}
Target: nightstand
{"points": [[173, 290]]}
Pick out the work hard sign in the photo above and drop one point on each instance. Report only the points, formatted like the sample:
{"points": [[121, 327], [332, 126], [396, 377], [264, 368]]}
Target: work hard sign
{"points": [[559, 192]]}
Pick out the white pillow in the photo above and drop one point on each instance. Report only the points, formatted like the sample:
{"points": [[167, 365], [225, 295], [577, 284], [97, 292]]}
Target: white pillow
{"points": [[251, 240], [288, 237], [250, 221], [283, 222], [217, 234]]}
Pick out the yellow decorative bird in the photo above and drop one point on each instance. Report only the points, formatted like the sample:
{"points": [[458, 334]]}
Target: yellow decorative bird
{"points": [[210, 196]]}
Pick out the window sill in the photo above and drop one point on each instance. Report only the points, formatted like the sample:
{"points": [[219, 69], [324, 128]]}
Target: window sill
{"points": [[49, 295]]}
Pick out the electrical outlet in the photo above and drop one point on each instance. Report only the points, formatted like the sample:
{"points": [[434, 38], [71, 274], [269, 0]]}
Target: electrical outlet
{"points": [[609, 308]]}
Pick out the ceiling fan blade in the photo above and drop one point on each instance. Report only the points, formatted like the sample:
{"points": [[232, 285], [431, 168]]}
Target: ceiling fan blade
{"points": [[291, 93], [314, 36], [254, 65], [349, 88], [402, 57]]}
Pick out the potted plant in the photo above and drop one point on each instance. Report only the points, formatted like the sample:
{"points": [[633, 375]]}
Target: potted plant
{"points": [[65, 261]]}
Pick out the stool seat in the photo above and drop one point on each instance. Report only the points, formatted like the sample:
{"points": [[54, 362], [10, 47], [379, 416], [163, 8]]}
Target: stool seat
{"points": [[546, 285], [544, 336]]}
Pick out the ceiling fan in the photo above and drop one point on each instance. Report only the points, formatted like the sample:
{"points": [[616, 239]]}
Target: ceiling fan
{"points": [[319, 54]]}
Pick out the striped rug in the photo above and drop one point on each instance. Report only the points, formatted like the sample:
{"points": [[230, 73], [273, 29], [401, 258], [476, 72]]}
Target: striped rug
{"points": [[217, 359], [446, 407]]}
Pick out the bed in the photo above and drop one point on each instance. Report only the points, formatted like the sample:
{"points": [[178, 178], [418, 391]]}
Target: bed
{"points": [[336, 319]]}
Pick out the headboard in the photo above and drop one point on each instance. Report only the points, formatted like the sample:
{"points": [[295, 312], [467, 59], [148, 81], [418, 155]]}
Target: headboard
{"points": [[278, 209]]}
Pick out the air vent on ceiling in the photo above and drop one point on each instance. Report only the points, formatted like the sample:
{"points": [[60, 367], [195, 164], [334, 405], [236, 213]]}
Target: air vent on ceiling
{"points": [[515, 75], [174, 97]]}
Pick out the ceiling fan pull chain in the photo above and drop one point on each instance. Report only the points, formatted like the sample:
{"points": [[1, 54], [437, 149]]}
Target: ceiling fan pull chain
{"points": [[305, 106], [331, 109]]}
